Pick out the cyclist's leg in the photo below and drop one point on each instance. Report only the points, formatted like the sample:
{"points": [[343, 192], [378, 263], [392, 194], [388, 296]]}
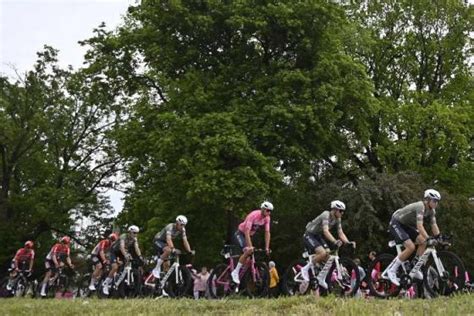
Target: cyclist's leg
{"points": [[404, 234], [162, 252], [115, 263], [239, 239], [313, 246], [97, 272], [50, 269]]}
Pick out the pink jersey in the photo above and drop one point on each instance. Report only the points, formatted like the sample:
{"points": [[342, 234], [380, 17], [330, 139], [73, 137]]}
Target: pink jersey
{"points": [[254, 221]]}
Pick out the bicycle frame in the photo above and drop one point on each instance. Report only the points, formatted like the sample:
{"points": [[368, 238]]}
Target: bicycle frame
{"points": [[174, 266], [250, 263], [429, 251]]}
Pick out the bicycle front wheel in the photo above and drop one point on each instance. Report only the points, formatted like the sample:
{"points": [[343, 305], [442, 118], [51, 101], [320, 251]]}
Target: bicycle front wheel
{"points": [[379, 286], [257, 284], [293, 283], [343, 283], [220, 281], [447, 283], [179, 282]]}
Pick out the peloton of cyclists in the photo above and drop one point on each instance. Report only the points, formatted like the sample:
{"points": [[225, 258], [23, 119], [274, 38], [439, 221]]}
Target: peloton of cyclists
{"points": [[406, 226], [120, 251], [23, 261], [318, 235], [99, 258], [56, 258], [243, 235]]}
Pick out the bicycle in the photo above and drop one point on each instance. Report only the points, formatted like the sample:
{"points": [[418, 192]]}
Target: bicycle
{"points": [[19, 285], [176, 282], [254, 276], [128, 281], [83, 288], [342, 276], [58, 283], [437, 267]]}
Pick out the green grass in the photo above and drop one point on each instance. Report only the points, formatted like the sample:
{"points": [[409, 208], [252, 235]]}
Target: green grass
{"points": [[459, 305]]}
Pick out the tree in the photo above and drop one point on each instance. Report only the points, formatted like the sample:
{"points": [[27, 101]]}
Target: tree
{"points": [[56, 156], [230, 100]]}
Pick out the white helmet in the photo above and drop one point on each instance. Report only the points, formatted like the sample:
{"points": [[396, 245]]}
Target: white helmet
{"points": [[432, 194], [134, 229], [182, 219], [267, 205], [338, 204]]}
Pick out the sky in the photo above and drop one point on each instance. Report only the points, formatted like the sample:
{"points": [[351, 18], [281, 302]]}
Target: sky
{"points": [[27, 25]]}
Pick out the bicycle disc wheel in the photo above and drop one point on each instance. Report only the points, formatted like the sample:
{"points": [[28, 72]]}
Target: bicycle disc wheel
{"points": [[379, 286], [451, 281], [257, 285], [220, 282], [347, 282], [179, 282], [20, 288], [293, 283]]}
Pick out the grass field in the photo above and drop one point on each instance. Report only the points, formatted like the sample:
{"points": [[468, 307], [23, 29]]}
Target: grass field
{"points": [[459, 305]]}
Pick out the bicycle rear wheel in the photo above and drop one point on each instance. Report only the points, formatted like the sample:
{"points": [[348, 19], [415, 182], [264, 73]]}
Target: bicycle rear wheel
{"points": [[179, 282], [220, 282], [453, 279], [293, 283], [379, 286], [257, 286]]}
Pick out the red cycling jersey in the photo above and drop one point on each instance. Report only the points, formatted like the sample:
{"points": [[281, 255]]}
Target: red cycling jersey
{"points": [[103, 245], [59, 251], [24, 254]]}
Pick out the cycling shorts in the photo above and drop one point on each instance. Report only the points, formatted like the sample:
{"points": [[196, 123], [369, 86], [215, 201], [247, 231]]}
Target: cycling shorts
{"points": [[313, 241], [401, 232]]}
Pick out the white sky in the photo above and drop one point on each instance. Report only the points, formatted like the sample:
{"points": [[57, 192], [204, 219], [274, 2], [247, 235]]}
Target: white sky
{"points": [[27, 25]]}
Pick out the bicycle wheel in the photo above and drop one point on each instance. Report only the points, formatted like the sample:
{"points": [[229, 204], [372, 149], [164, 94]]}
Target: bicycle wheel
{"points": [[21, 287], [220, 282], [293, 283], [83, 287], [256, 285], [379, 286], [347, 282], [453, 279], [179, 282]]}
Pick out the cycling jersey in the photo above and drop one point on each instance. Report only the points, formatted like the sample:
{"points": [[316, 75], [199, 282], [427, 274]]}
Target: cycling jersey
{"points": [[316, 226], [24, 255], [414, 213], [60, 251], [254, 221], [170, 230], [103, 245], [129, 241]]}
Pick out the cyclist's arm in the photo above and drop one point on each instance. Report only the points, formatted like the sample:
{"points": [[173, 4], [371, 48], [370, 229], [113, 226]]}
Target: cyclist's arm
{"points": [[419, 224], [267, 239], [122, 248], [435, 229], [54, 258], [102, 255], [327, 234], [343, 236], [69, 262], [248, 239], [32, 260], [137, 249], [187, 247]]}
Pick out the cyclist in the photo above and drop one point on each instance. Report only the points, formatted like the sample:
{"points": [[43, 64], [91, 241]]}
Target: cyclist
{"points": [[122, 250], [99, 259], [57, 256], [406, 226], [23, 261], [318, 235], [163, 241], [243, 235]]}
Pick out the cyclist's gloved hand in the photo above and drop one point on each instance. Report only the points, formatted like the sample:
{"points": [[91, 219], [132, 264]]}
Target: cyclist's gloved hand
{"points": [[353, 243], [192, 252], [71, 266], [268, 251], [128, 257], [338, 243]]}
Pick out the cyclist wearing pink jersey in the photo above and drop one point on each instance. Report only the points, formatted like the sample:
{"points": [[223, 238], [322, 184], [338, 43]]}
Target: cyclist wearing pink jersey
{"points": [[243, 235]]}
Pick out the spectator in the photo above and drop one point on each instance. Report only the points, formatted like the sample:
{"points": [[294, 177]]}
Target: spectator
{"points": [[200, 282], [274, 279]]}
